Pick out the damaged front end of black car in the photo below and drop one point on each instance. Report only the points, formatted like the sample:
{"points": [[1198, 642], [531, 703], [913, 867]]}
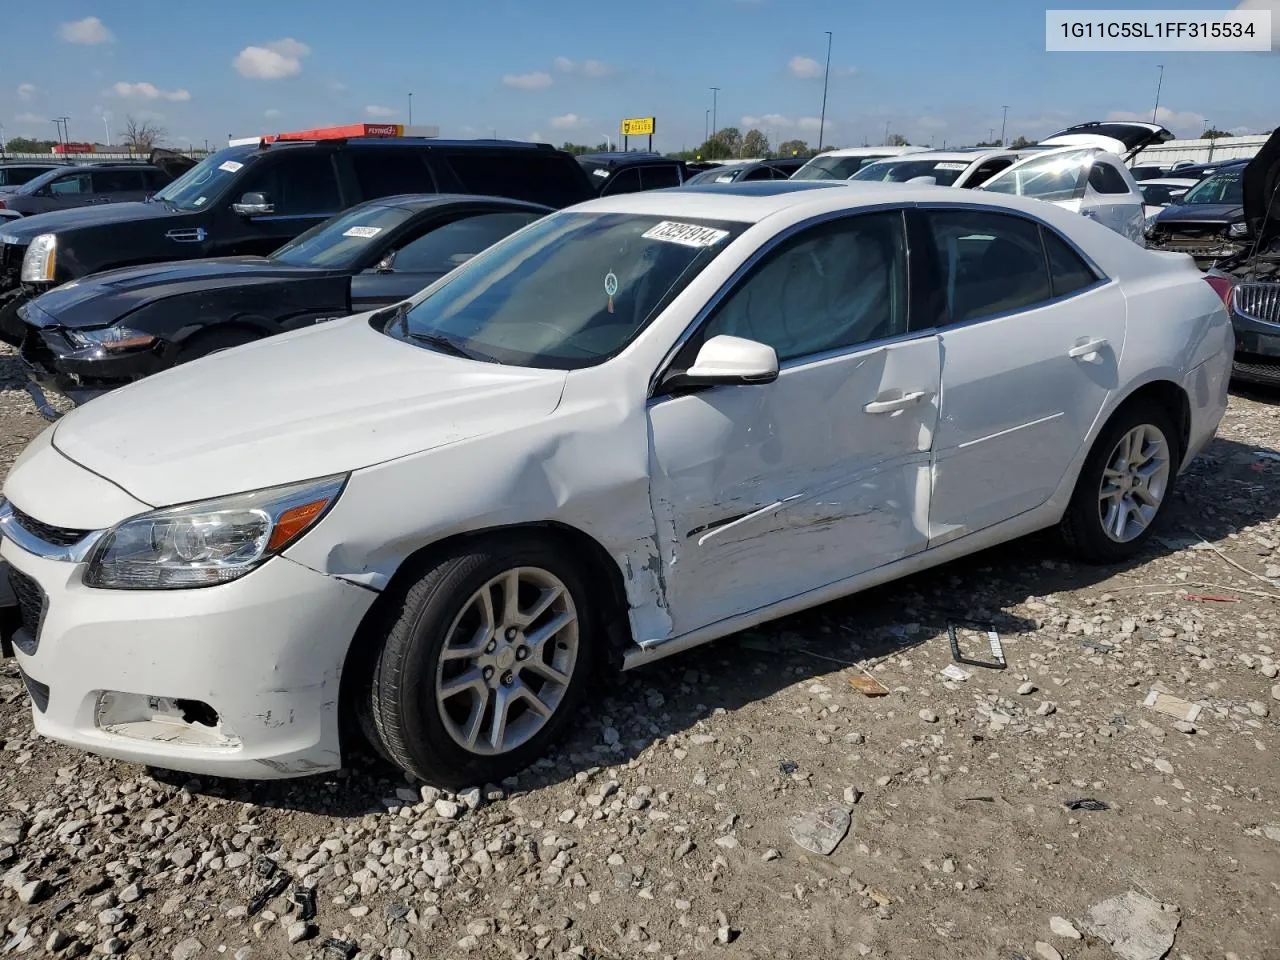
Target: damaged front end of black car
{"points": [[1253, 273]]}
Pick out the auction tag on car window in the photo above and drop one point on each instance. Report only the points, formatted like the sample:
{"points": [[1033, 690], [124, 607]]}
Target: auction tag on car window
{"points": [[949, 165], [231, 166], [686, 234], [362, 232]]}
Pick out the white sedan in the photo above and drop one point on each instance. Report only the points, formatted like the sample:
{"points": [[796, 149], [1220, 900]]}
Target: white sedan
{"points": [[633, 427]]}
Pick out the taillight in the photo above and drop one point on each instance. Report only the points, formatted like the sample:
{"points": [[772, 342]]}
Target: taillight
{"points": [[2, 206], [1222, 286]]}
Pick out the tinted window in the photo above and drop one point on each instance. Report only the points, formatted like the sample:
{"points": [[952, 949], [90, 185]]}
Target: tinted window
{"points": [[625, 181], [15, 176], [990, 263], [72, 185], [297, 183], [155, 179], [521, 175], [759, 173], [1105, 178], [118, 181], [570, 291], [832, 286], [453, 244], [1067, 270], [384, 173], [660, 177], [987, 171]]}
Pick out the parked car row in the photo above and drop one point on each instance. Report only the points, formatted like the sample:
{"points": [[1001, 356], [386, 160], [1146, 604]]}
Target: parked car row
{"points": [[628, 428]]}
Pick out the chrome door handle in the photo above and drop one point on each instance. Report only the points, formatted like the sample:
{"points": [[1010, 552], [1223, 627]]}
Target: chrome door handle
{"points": [[1086, 351], [898, 403]]}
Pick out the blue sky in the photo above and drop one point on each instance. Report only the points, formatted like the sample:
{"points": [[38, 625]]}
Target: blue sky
{"points": [[571, 69]]}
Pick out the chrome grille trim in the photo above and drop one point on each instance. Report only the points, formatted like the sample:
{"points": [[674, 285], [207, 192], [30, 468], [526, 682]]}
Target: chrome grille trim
{"points": [[24, 539], [1257, 301]]}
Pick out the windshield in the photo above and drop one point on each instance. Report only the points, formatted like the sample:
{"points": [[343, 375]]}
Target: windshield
{"points": [[47, 177], [204, 182], [342, 241], [1225, 187], [943, 172], [567, 292], [834, 168], [1057, 177], [718, 175]]}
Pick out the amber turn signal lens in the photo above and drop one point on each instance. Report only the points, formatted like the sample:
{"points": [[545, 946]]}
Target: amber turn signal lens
{"points": [[294, 521]]}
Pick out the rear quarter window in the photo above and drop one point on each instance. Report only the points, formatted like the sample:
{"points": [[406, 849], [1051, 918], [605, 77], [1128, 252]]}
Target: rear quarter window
{"points": [[522, 175]]}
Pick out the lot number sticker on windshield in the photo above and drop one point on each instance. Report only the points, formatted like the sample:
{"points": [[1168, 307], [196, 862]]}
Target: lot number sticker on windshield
{"points": [[949, 165], [686, 234], [230, 166], [363, 232]]}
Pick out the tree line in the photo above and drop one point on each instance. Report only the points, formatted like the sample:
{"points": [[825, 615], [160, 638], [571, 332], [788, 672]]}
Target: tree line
{"points": [[141, 136]]}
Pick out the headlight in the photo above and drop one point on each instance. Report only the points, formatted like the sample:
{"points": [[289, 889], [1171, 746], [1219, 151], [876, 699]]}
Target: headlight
{"points": [[112, 339], [1238, 230], [211, 542], [41, 259]]}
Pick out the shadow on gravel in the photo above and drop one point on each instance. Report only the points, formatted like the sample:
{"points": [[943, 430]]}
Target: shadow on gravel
{"points": [[1227, 489]]}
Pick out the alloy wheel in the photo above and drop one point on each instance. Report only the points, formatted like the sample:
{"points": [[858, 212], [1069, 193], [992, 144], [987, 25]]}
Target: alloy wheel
{"points": [[1134, 483]]}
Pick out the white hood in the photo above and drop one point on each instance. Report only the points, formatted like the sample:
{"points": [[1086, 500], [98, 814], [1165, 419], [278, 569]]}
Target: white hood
{"points": [[324, 400]]}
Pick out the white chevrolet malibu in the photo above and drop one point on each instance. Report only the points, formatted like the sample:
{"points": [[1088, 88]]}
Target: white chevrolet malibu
{"points": [[633, 427]]}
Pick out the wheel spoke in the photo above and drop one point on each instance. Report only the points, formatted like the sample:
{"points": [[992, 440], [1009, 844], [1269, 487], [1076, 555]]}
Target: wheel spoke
{"points": [[532, 699], [511, 598], [549, 629], [1121, 519], [547, 672], [549, 596], [468, 680], [471, 730], [502, 700]]}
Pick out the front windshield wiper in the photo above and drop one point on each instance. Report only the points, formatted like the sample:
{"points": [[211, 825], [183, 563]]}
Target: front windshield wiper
{"points": [[447, 345]]}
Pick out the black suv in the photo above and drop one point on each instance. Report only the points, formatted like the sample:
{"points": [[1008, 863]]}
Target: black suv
{"points": [[248, 200], [614, 173], [79, 185], [14, 173]]}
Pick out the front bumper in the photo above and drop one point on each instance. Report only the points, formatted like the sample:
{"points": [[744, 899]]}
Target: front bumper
{"points": [[260, 658], [81, 373]]}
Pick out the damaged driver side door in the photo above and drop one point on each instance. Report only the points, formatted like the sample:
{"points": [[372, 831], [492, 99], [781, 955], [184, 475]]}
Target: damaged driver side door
{"points": [[763, 492]]}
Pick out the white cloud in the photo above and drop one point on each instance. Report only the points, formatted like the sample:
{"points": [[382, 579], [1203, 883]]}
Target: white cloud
{"points": [[538, 80], [587, 68], [1274, 7], [536, 136], [337, 86], [811, 123], [26, 91], [29, 118], [89, 31], [376, 111], [769, 121], [275, 61], [271, 113], [148, 91], [568, 121], [1184, 123], [804, 68]]}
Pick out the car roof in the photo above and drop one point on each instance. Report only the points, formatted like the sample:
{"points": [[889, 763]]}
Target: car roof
{"points": [[374, 143], [1170, 182], [618, 158], [419, 202], [870, 151], [965, 156]]}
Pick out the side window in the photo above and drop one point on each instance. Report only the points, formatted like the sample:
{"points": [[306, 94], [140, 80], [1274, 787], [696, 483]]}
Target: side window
{"points": [[988, 170], [71, 185], [299, 184], [1067, 271], [529, 175], [759, 173], [990, 263], [833, 286], [625, 181], [117, 181], [1105, 178], [155, 179], [383, 172], [452, 244], [660, 176]]}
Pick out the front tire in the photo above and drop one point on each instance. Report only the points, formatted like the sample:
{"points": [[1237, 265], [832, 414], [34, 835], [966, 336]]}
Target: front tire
{"points": [[485, 659], [1124, 488]]}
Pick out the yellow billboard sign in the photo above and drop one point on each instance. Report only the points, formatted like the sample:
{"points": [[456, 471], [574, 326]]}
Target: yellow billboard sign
{"points": [[638, 126]]}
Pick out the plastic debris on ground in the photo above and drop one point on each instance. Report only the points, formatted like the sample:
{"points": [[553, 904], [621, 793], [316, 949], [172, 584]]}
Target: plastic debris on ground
{"points": [[997, 661], [1164, 702], [868, 685], [952, 672], [1086, 803]]}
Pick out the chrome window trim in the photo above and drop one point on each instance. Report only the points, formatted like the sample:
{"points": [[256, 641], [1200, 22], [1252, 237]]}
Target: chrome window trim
{"points": [[10, 529]]}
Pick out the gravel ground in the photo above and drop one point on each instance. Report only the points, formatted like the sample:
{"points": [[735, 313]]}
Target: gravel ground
{"points": [[665, 826]]}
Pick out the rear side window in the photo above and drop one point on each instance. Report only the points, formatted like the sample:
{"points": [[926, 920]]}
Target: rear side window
{"points": [[1067, 271], [759, 173], [384, 173], [988, 170], [521, 175], [660, 176], [1105, 178], [453, 244], [625, 181], [990, 263], [118, 181], [73, 185]]}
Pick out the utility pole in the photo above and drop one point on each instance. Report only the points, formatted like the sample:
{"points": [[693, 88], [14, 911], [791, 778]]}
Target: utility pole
{"points": [[822, 120], [886, 133], [411, 109], [3, 150], [706, 127], [1003, 121], [715, 92], [991, 134], [1159, 83], [106, 128]]}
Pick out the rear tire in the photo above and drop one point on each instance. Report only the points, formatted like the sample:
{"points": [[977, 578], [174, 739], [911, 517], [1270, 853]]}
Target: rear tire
{"points": [[1123, 491], [450, 660]]}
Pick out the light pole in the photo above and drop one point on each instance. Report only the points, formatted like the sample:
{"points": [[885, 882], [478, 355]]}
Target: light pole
{"points": [[1003, 121], [715, 91], [706, 127], [3, 150], [106, 128], [411, 109], [822, 120], [1159, 83], [886, 133]]}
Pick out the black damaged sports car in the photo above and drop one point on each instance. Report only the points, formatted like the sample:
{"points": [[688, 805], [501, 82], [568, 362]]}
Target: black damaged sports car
{"points": [[88, 336]]}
